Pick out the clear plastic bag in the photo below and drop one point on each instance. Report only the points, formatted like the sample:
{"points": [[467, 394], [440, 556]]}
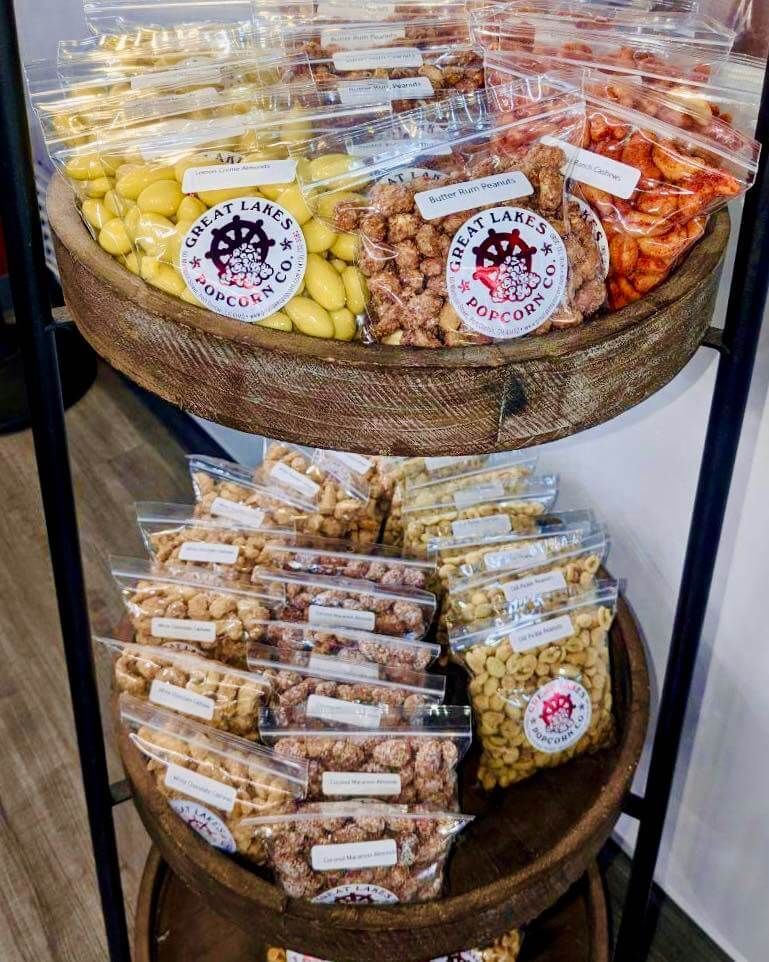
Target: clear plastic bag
{"points": [[541, 687], [470, 486], [215, 782], [349, 644], [467, 235], [335, 689], [515, 510], [174, 536], [223, 697], [347, 603], [411, 759], [400, 855], [179, 610], [498, 595], [123, 16]]}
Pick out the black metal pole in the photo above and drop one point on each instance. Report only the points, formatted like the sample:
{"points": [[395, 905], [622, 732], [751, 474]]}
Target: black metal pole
{"points": [[747, 303], [29, 288]]}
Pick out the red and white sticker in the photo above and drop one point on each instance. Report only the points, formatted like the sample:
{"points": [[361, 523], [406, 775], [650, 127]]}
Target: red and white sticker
{"points": [[507, 272], [205, 822], [244, 258], [357, 893], [557, 716]]}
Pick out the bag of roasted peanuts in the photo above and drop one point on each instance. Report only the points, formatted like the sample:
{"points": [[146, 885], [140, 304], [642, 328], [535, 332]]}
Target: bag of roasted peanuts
{"points": [[214, 215], [349, 644], [541, 686], [652, 168], [505, 949], [411, 759], [499, 595], [193, 611], [335, 689], [399, 854], [516, 509], [212, 780], [468, 485], [349, 603], [459, 558], [371, 470], [225, 698], [467, 235], [174, 536]]}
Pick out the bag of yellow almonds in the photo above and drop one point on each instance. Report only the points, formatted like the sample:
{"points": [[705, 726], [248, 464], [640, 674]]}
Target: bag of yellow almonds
{"points": [[540, 685], [211, 213]]}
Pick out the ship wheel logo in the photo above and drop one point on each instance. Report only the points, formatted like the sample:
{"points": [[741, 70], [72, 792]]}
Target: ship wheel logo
{"points": [[557, 712], [239, 252], [504, 266]]}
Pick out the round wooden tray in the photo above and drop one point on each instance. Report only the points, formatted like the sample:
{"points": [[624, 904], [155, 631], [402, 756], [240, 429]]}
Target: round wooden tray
{"points": [[527, 846], [384, 399], [175, 925]]}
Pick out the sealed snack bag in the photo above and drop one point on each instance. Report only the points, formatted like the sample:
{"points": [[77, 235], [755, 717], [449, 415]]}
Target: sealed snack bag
{"points": [[159, 16], [411, 759], [194, 611], [225, 698], [467, 235], [399, 854], [350, 644], [356, 469], [469, 485], [652, 171], [347, 603], [541, 686], [336, 689], [213, 781], [229, 549]]}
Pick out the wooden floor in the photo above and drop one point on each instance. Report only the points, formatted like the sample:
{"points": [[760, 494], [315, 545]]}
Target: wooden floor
{"points": [[49, 909]]}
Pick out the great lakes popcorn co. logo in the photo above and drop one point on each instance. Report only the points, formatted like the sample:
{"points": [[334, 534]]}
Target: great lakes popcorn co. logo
{"points": [[557, 715], [357, 894], [205, 823], [506, 273], [244, 258]]}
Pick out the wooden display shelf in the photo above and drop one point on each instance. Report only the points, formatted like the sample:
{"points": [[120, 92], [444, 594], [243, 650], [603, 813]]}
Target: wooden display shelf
{"points": [[384, 399], [175, 925], [527, 846]]}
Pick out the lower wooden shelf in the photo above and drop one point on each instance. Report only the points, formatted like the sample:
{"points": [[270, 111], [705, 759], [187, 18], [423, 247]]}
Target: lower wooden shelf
{"points": [[175, 925]]}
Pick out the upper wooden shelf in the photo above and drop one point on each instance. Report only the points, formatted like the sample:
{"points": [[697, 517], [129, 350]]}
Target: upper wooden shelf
{"points": [[384, 399]]}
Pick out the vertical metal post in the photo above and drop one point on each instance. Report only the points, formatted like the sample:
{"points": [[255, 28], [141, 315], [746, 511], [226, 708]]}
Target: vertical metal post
{"points": [[745, 313], [29, 288]]}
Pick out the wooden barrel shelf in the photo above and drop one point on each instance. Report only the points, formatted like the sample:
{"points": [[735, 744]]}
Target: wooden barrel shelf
{"points": [[175, 925], [384, 399], [525, 849]]}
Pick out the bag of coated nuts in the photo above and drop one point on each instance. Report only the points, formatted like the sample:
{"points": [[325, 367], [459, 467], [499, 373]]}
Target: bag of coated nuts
{"points": [[541, 687], [213, 781], [467, 235]]}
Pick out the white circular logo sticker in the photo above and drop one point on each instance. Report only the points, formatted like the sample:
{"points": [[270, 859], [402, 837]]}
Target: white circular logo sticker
{"points": [[356, 894], [244, 258], [299, 957], [467, 956], [506, 272], [409, 174], [205, 823], [590, 217], [557, 716]]}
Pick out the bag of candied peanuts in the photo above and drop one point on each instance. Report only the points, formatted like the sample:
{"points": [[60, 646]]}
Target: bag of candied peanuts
{"points": [[213, 780], [212, 214], [466, 233], [653, 169], [541, 685]]}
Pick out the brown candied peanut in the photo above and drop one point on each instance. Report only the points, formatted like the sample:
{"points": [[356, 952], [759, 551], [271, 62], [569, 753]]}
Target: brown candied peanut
{"points": [[386, 570]]}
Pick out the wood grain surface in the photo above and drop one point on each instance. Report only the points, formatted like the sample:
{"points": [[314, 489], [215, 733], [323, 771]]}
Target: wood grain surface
{"points": [[175, 925], [381, 398], [527, 845]]}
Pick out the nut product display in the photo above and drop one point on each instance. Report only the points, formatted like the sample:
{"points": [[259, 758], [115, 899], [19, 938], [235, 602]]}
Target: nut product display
{"points": [[331, 850], [213, 781], [348, 643], [229, 549], [500, 594], [541, 687], [347, 603], [227, 699], [335, 689], [482, 242], [174, 608], [411, 759], [516, 511]]}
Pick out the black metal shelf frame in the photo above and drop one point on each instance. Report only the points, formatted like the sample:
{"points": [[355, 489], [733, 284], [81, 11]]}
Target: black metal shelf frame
{"points": [[737, 351]]}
